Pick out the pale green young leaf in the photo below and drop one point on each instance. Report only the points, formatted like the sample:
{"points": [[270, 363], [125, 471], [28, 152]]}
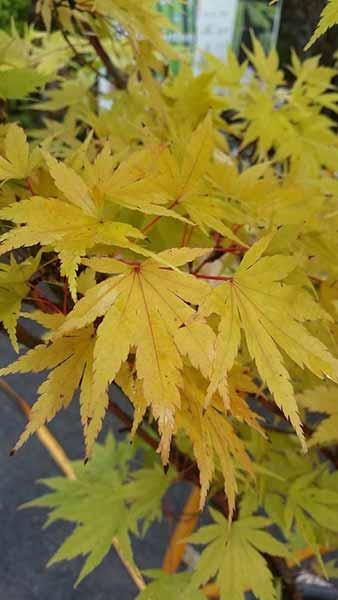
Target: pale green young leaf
{"points": [[95, 502], [145, 492], [167, 587], [107, 501], [17, 83], [233, 556], [309, 506]]}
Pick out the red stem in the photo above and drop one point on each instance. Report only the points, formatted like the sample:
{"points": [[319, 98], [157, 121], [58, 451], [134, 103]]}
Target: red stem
{"points": [[153, 222], [232, 249], [217, 252], [195, 274], [29, 185], [38, 298], [213, 277], [185, 234]]}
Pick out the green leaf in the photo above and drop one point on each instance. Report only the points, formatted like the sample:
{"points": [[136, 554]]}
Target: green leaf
{"points": [[103, 503], [167, 587], [310, 508], [233, 557], [95, 502], [19, 83], [146, 490]]}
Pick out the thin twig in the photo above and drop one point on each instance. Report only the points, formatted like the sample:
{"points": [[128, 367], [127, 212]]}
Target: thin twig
{"points": [[212, 277], [218, 252], [133, 571], [185, 526], [272, 407], [30, 185], [147, 228], [119, 78], [80, 59]]}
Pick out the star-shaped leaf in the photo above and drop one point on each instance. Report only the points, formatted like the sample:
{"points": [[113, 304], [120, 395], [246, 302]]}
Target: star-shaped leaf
{"points": [[253, 300], [95, 502], [150, 308], [233, 555]]}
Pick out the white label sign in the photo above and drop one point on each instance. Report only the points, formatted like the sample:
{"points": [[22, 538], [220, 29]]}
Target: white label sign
{"points": [[215, 26]]}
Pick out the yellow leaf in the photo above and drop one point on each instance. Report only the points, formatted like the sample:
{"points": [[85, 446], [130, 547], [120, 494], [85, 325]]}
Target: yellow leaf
{"points": [[71, 185], [131, 184], [133, 389], [15, 164], [256, 301], [197, 155], [150, 308], [212, 437], [328, 19], [14, 278], [64, 226], [70, 361], [181, 179]]}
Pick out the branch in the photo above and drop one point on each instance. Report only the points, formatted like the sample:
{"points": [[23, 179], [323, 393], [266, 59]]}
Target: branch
{"points": [[148, 227], [79, 58], [119, 78], [212, 277], [278, 566], [218, 252], [25, 337]]}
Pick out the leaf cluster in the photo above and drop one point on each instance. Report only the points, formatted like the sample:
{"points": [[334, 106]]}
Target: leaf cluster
{"points": [[169, 242]]}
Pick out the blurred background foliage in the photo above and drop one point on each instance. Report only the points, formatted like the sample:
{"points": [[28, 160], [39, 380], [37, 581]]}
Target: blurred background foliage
{"points": [[298, 20], [19, 10]]}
